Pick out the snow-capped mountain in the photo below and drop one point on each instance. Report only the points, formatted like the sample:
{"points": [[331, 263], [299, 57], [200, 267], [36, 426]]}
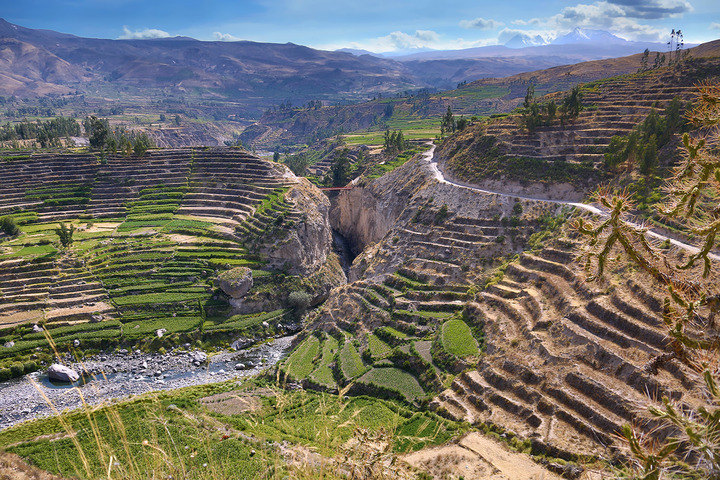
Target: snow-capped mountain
{"points": [[522, 40], [579, 35]]}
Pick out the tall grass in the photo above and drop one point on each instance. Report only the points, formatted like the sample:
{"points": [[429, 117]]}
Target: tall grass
{"points": [[169, 435]]}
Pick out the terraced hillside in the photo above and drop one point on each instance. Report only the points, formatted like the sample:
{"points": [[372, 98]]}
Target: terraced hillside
{"points": [[573, 151], [151, 235], [567, 363], [475, 303], [401, 327]]}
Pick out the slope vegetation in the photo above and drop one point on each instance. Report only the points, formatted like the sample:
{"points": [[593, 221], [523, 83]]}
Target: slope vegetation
{"points": [[573, 151], [151, 235]]}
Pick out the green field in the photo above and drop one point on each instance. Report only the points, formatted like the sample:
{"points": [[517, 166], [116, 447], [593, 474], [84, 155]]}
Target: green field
{"points": [[300, 363], [457, 338], [396, 380], [351, 365], [179, 435]]}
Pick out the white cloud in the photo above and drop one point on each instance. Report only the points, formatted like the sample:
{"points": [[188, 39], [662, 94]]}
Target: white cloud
{"points": [[145, 34], [398, 41], [481, 23], [715, 26], [617, 16], [224, 37]]}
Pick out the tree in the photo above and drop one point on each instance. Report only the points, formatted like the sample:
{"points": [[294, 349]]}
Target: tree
{"points": [[529, 96], [8, 226], [572, 104], [98, 131], [648, 157], [141, 144], [298, 163], [644, 60], [341, 170], [176, 120], [276, 156], [448, 121], [551, 111], [65, 234], [692, 305], [461, 123], [298, 302]]}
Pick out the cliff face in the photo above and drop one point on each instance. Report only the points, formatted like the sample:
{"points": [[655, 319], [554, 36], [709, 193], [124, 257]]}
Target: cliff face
{"points": [[309, 240], [365, 214]]}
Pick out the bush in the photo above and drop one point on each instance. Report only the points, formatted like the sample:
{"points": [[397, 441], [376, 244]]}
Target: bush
{"points": [[16, 370], [65, 234], [9, 226], [30, 366], [298, 302]]}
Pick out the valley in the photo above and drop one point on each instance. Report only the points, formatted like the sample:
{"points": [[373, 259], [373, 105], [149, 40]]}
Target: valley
{"points": [[273, 261]]}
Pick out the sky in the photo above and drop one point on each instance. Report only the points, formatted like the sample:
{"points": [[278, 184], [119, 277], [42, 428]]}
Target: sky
{"points": [[375, 25]]}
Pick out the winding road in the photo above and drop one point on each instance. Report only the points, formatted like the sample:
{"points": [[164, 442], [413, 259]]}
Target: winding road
{"points": [[429, 156]]}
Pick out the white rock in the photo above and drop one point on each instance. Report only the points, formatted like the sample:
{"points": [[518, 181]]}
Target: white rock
{"points": [[76, 342], [37, 328], [160, 332], [198, 356], [61, 373]]}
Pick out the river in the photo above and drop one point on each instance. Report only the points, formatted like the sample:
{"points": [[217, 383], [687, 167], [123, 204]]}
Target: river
{"points": [[128, 374]]}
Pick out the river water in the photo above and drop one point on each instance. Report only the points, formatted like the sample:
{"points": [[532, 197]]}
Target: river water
{"points": [[128, 374]]}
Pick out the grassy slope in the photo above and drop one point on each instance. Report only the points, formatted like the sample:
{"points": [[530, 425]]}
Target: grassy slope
{"points": [[174, 433]]}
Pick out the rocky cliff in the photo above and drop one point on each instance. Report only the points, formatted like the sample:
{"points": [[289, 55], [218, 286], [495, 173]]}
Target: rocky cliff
{"points": [[307, 237]]}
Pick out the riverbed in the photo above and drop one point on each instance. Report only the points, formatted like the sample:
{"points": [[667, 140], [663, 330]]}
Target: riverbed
{"points": [[127, 373]]}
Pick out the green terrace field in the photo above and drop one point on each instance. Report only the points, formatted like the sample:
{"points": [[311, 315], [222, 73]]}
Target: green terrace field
{"points": [[409, 358], [150, 237], [226, 430]]}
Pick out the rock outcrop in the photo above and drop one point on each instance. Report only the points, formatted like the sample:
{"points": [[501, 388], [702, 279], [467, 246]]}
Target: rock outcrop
{"points": [[236, 282], [304, 244], [366, 213]]}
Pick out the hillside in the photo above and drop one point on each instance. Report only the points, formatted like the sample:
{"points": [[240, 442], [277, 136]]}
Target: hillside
{"points": [[483, 97], [152, 234], [255, 75], [504, 150], [483, 292]]}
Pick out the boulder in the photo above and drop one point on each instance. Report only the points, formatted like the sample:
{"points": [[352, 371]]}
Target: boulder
{"points": [[198, 356], [37, 328], [236, 282], [61, 373], [160, 332]]}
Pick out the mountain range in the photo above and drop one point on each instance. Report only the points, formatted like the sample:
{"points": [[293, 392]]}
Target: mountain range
{"points": [[250, 77]]}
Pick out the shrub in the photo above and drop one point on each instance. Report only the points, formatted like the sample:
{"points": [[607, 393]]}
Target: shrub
{"points": [[298, 302], [30, 366], [9, 226], [65, 234], [16, 370]]}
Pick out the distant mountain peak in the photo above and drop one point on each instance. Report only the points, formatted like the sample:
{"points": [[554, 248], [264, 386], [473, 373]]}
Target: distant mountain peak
{"points": [[581, 35], [522, 40]]}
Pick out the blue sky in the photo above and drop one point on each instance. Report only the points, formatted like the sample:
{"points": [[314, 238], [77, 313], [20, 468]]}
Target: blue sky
{"points": [[377, 25]]}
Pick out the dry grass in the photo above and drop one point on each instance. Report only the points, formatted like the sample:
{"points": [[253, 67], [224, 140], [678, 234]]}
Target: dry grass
{"points": [[13, 467]]}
